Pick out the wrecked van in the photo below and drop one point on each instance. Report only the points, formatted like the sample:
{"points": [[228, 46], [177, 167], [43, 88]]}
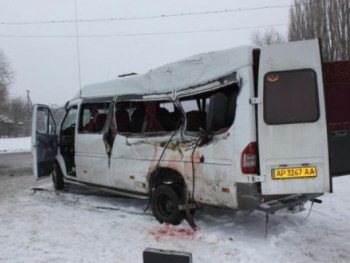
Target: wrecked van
{"points": [[242, 128]]}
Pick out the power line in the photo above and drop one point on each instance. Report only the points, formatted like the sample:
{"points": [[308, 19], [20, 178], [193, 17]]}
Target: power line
{"points": [[114, 19], [143, 33]]}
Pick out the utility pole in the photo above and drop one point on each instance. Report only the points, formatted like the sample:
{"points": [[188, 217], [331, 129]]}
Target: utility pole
{"points": [[29, 102], [27, 121]]}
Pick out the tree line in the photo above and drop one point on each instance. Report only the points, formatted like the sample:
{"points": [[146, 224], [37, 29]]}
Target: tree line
{"points": [[15, 113], [328, 20]]}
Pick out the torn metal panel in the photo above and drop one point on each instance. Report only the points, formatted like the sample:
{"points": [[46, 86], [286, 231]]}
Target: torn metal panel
{"points": [[205, 68]]}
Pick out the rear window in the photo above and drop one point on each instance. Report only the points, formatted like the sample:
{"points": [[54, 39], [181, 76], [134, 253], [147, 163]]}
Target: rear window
{"points": [[290, 97]]}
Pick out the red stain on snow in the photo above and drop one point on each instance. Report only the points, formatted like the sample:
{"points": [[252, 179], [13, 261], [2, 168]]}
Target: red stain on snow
{"points": [[172, 231]]}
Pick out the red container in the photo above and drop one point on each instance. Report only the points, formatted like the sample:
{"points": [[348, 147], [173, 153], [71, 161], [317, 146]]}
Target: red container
{"points": [[337, 92]]}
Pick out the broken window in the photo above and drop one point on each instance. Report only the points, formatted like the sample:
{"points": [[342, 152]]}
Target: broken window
{"points": [[210, 111], [146, 116], [93, 117]]}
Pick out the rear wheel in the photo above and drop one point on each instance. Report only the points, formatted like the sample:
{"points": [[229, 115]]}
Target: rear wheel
{"points": [[165, 204], [57, 177]]}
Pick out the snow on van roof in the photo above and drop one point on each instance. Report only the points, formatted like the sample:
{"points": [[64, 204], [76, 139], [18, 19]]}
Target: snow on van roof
{"points": [[189, 72]]}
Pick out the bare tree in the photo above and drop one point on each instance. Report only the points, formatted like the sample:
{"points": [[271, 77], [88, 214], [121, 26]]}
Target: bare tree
{"points": [[18, 110], [18, 118], [3, 94], [267, 37], [6, 77], [328, 20]]}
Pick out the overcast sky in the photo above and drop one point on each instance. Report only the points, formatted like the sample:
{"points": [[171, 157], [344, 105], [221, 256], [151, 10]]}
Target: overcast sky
{"points": [[44, 55]]}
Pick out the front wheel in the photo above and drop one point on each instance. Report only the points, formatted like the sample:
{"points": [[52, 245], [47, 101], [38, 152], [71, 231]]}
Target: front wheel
{"points": [[57, 177], [165, 204]]}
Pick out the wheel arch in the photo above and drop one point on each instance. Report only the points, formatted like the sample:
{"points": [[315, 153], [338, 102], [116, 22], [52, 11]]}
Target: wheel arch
{"points": [[165, 175]]}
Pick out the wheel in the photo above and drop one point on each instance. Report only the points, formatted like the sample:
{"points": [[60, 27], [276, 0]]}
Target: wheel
{"points": [[57, 177], [165, 204]]}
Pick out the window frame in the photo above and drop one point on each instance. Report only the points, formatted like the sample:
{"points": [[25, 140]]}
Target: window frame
{"points": [[81, 113], [47, 121], [316, 97], [134, 134], [200, 94], [74, 107]]}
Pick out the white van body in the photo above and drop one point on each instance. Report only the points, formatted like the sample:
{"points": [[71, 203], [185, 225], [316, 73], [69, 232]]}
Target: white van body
{"points": [[244, 128]]}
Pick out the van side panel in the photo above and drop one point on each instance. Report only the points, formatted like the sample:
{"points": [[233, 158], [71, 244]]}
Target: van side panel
{"points": [[91, 159], [133, 159]]}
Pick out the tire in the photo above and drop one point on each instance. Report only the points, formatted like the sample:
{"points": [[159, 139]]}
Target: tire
{"points": [[165, 205], [57, 177]]}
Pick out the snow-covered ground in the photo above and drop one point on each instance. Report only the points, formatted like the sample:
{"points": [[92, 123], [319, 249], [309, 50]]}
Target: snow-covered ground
{"points": [[83, 225], [10, 145]]}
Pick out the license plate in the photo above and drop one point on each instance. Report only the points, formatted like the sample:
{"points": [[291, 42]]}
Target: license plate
{"points": [[294, 172]]}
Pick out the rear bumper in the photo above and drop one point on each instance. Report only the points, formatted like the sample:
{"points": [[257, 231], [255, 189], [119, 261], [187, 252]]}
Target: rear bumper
{"points": [[288, 202]]}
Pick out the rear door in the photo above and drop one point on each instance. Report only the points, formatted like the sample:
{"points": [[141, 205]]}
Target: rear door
{"points": [[44, 141], [292, 130]]}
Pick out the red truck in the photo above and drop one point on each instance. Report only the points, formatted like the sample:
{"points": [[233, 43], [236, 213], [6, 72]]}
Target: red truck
{"points": [[337, 91]]}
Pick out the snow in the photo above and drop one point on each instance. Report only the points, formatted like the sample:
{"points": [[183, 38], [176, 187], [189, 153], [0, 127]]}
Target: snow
{"points": [[204, 68], [81, 224], [10, 145]]}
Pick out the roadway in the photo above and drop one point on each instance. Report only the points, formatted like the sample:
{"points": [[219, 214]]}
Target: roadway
{"points": [[15, 163]]}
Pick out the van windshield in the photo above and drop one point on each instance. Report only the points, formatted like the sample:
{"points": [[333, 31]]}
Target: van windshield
{"points": [[290, 97]]}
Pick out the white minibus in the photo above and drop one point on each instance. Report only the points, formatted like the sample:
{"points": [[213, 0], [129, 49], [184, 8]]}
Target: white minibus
{"points": [[242, 128]]}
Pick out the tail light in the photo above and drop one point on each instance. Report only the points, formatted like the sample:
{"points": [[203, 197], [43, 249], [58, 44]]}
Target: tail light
{"points": [[249, 159]]}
